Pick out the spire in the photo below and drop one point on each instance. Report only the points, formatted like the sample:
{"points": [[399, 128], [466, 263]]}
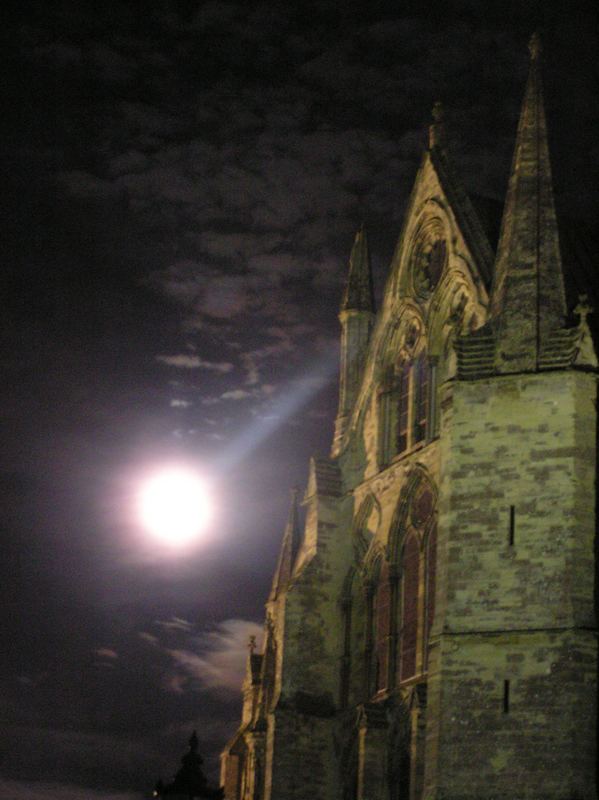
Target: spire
{"points": [[436, 130], [528, 300], [358, 294], [357, 319], [289, 548]]}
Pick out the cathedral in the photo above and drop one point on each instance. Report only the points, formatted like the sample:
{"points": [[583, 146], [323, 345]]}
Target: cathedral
{"points": [[430, 632]]}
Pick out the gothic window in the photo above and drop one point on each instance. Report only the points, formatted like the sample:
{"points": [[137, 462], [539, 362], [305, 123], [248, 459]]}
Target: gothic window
{"points": [[382, 619], [354, 686], [421, 398], [410, 565], [386, 419], [403, 406], [431, 572], [428, 258], [437, 260]]}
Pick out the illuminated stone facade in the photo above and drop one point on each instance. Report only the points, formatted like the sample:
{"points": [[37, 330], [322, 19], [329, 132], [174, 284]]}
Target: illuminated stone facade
{"points": [[431, 631]]}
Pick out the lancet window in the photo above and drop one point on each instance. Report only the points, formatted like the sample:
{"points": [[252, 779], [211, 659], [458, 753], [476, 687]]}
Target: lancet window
{"points": [[382, 628], [410, 569], [421, 398], [404, 407], [387, 418], [418, 562], [431, 574]]}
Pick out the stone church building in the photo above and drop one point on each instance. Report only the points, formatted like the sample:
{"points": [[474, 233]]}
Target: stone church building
{"points": [[430, 632]]}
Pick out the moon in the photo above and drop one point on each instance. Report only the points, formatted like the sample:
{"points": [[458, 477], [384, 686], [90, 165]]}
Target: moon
{"points": [[174, 505]]}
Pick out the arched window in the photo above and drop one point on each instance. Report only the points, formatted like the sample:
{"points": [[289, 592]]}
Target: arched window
{"points": [[382, 627], [421, 399], [403, 406], [410, 565], [353, 673], [386, 419], [431, 574]]}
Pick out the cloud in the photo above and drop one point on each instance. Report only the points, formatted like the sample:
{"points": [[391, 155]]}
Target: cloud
{"points": [[236, 394], [130, 161], [106, 652], [84, 185], [32, 680], [148, 637], [218, 660], [184, 361], [175, 624], [175, 403]]}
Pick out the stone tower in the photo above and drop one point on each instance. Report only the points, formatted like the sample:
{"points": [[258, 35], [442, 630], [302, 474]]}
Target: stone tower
{"points": [[513, 653], [431, 631]]}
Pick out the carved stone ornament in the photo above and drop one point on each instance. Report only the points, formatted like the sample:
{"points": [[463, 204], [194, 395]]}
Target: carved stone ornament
{"points": [[412, 335], [429, 258], [387, 479]]}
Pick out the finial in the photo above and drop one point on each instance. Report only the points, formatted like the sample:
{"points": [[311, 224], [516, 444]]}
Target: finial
{"points": [[583, 309], [436, 130], [252, 644], [535, 47], [193, 742]]}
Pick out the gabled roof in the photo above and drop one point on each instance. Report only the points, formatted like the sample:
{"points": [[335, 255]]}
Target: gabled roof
{"points": [[466, 216]]}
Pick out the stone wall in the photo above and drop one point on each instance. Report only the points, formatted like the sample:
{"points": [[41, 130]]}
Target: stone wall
{"points": [[515, 595]]}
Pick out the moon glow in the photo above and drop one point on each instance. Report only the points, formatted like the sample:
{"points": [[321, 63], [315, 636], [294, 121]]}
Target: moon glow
{"points": [[174, 505]]}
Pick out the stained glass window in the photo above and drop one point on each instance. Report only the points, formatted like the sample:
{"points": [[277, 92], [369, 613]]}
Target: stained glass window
{"points": [[403, 410], [382, 628], [409, 617], [421, 399]]}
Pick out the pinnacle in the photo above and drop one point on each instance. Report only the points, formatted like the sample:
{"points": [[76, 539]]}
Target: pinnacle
{"points": [[358, 294], [535, 46], [528, 300], [436, 130]]}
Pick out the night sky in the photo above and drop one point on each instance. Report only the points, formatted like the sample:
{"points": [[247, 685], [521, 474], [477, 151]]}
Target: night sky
{"points": [[181, 185]]}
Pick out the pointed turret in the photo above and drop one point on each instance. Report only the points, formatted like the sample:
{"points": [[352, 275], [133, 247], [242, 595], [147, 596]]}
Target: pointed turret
{"points": [[528, 301], [436, 130], [358, 294], [357, 317], [289, 548]]}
